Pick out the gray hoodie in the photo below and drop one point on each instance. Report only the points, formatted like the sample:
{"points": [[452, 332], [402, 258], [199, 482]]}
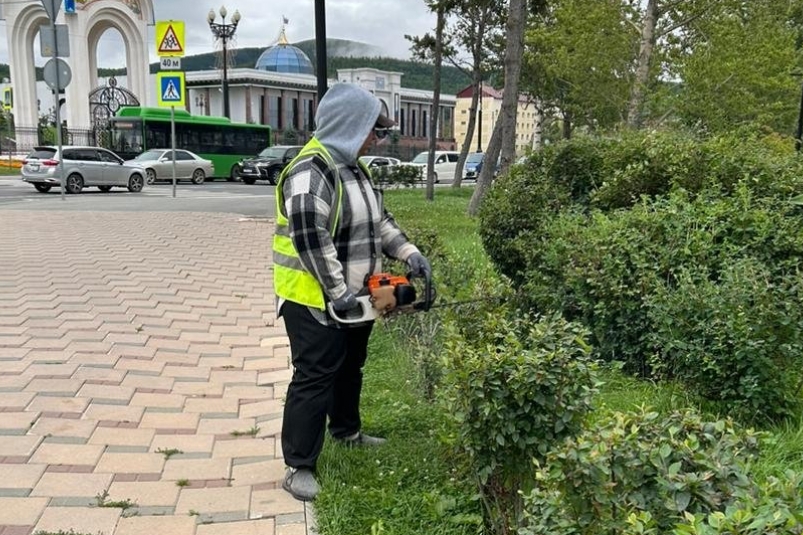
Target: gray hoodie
{"points": [[345, 117]]}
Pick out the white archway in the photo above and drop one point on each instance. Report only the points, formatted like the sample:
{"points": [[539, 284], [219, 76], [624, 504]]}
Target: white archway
{"points": [[86, 26]]}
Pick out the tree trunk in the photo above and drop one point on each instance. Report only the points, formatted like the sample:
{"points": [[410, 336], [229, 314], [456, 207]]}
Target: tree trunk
{"points": [[643, 67], [504, 135], [476, 82], [436, 103], [472, 123], [538, 126], [567, 125]]}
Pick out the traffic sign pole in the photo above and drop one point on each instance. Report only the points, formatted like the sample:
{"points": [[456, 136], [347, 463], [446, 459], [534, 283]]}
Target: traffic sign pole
{"points": [[59, 141], [170, 48], [173, 144]]}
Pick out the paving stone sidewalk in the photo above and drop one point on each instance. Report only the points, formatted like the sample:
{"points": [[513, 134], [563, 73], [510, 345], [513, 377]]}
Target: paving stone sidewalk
{"points": [[142, 373]]}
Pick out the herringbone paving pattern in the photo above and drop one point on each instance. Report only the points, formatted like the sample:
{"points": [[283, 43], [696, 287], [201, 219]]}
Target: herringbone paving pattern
{"points": [[142, 373]]}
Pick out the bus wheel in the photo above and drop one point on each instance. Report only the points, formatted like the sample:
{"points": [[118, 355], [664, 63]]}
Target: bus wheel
{"points": [[198, 176], [234, 174]]}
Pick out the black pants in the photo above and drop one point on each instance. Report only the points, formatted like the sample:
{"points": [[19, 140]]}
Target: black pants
{"points": [[327, 381]]}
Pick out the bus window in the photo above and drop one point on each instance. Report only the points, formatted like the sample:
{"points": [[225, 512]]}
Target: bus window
{"points": [[126, 139], [157, 135]]}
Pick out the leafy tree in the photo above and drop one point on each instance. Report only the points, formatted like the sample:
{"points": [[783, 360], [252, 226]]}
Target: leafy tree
{"points": [[735, 68], [503, 139], [578, 60], [423, 48], [476, 26]]}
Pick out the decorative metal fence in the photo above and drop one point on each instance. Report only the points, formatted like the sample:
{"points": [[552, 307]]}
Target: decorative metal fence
{"points": [[22, 140]]}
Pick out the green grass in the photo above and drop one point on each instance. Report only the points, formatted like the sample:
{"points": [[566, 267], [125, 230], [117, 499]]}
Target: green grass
{"points": [[414, 483], [446, 214], [409, 486], [9, 171], [253, 432]]}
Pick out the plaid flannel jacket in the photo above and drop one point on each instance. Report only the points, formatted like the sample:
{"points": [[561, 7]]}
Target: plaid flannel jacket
{"points": [[365, 231]]}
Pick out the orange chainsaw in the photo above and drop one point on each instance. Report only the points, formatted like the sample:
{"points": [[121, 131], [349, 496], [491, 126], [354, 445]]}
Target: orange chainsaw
{"points": [[384, 294]]}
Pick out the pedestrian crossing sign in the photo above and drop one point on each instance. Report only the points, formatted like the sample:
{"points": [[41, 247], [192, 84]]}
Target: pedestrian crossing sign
{"points": [[171, 88], [170, 38]]}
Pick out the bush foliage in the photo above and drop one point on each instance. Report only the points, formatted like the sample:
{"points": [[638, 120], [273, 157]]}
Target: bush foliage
{"points": [[634, 463], [639, 238], [517, 390]]}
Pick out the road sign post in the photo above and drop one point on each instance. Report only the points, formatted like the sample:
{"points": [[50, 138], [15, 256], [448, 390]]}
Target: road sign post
{"points": [[171, 93], [173, 144], [57, 75], [170, 82]]}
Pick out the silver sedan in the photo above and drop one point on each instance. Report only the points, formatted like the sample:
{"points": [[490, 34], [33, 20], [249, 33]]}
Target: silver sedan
{"points": [[158, 165]]}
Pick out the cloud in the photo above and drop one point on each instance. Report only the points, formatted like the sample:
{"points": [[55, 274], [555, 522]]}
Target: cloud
{"points": [[382, 23]]}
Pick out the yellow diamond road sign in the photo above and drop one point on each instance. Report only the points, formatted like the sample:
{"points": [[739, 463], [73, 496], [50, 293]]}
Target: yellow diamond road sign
{"points": [[170, 38], [170, 87]]}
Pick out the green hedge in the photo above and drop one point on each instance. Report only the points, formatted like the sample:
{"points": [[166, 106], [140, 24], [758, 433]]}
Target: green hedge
{"points": [[641, 239]]}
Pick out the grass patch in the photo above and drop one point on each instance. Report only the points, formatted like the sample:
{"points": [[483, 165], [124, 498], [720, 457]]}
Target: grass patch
{"points": [[9, 171], [253, 432], [410, 485], [102, 500], [169, 452], [183, 483], [446, 214]]}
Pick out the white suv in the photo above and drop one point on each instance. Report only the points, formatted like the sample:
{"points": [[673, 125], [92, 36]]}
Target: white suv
{"points": [[82, 166], [445, 164]]}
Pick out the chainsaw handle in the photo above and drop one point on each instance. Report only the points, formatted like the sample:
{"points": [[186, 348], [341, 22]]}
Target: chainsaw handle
{"points": [[367, 312], [429, 292]]}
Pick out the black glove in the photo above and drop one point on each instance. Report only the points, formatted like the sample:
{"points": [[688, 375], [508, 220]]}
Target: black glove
{"points": [[419, 265], [346, 302]]}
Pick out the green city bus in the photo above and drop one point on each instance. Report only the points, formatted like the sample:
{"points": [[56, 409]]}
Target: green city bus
{"points": [[137, 129]]}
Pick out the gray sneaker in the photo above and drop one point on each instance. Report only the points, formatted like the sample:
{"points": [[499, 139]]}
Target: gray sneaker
{"points": [[361, 439], [301, 484]]}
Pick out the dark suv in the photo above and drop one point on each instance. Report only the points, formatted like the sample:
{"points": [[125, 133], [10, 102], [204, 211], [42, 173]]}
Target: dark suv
{"points": [[268, 164]]}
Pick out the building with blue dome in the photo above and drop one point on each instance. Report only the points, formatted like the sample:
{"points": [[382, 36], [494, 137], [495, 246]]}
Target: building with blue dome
{"points": [[285, 58]]}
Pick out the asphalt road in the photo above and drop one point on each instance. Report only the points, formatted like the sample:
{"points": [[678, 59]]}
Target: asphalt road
{"points": [[219, 196]]}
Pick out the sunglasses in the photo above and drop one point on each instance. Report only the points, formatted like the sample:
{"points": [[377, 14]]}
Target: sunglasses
{"points": [[381, 133]]}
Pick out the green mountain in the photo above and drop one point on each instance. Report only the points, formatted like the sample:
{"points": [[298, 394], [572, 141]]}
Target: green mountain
{"points": [[343, 54]]}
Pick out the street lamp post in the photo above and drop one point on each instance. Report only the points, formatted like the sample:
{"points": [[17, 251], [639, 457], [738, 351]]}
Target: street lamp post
{"points": [[320, 47], [224, 32], [479, 133]]}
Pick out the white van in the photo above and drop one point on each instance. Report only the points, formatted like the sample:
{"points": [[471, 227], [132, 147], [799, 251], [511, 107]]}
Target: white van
{"points": [[445, 164]]}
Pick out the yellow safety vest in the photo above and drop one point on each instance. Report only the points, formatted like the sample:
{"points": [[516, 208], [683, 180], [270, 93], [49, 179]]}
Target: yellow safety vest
{"points": [[290, 280]]}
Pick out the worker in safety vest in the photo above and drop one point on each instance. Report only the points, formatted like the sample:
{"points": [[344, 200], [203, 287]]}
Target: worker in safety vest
{"points": [[331, 233]]}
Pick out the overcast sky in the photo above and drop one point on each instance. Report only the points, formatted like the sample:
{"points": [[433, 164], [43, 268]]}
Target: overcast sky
{"points": [[381, 23]]}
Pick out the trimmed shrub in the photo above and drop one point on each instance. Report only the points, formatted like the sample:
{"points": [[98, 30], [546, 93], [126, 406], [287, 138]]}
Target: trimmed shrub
{"points": [[515, 210], [736, 340], [617, 273], [632, 463], [397, 176], [515, 392]]}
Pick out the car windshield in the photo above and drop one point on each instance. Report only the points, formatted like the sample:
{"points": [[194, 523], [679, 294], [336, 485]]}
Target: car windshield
{"points": [[149, 156], [421, 158], [272, 152], [475, 157]]}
